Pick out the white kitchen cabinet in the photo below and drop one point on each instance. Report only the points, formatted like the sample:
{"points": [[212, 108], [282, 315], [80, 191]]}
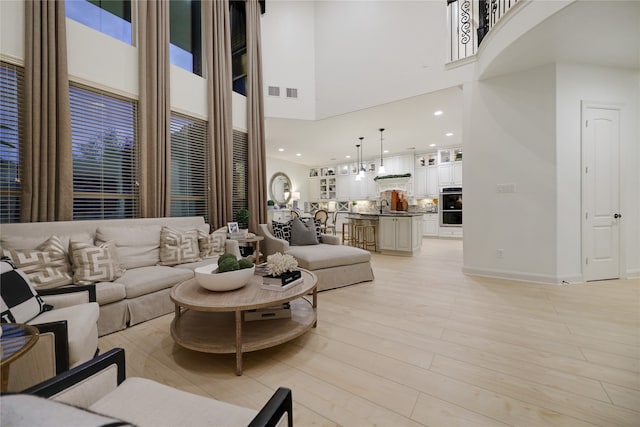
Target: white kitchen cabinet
{"points": [[400, 235], [398, 164], [342, 186], [420, 182], [451, 232], [430, 225], [450, 174], [314, 189], [432, 181], [328, 188]]}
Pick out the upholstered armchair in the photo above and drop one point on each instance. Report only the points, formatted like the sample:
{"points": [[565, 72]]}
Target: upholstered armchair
{"points": [[101, 394]]}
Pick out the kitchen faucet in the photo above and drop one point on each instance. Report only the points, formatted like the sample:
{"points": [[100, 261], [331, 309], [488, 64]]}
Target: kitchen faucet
{"points": [[381, 202]]}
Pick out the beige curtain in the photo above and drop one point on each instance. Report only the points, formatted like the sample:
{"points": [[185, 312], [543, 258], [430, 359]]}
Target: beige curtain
{"points": [[154, 108], [47, 165], [255, 120], [220, 127]]}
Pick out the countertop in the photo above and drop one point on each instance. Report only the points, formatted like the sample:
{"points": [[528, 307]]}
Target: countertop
{"points": [[376, 215]]}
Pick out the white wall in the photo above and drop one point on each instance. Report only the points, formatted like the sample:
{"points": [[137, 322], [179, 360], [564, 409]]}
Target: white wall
{"points": [[12, 29], [509, 138], [288, 58], [298, 174], [374, 52], [577, 83]]}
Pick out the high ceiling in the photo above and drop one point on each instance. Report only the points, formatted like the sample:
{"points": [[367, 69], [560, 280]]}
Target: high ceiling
{"points": [[410, 125], [599, 33]]}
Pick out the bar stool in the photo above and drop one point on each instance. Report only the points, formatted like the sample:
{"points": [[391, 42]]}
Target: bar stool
{"points": [[369, 240], [358, 234], [346, 233]]}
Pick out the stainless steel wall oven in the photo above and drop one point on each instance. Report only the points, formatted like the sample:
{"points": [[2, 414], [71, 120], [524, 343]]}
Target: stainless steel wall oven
{"points": [[451, 207]]}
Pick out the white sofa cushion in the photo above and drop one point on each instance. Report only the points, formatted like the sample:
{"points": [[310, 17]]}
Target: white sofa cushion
{"points": [[145, 280], [81, 327], [33, 411], [107, 292], [148, 403], [320, 256], [137, 245]]}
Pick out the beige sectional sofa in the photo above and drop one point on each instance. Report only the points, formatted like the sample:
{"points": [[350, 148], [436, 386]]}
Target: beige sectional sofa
{"points": [[334, 264], [141, 292]]}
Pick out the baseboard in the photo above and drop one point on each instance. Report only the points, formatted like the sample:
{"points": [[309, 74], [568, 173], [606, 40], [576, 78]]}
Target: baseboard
{"points": [[519, 276], [633, 273]]}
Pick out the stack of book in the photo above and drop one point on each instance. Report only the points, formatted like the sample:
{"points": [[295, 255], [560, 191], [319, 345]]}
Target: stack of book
{"points": [[279, 283]]}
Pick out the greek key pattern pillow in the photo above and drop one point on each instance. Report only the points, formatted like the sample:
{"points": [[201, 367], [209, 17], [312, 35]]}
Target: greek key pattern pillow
{"points": [[19, 301], [178, 247], [94, 263], [213, 244], [282, 230], [47, 266]]}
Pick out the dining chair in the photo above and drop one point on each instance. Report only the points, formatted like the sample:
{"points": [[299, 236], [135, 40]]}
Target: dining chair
{"points": [[322, 215]]}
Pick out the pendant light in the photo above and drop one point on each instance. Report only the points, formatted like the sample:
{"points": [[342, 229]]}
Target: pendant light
{"points": [[358, 178], [381, 168], [360, 165]]}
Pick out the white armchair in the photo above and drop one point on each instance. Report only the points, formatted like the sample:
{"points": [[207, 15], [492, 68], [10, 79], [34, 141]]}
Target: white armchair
{"points": [[100, 387]]}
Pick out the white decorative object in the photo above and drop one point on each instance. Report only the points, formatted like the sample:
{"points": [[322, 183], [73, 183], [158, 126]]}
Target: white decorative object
{"points": [[278, 263], [209, 278]]}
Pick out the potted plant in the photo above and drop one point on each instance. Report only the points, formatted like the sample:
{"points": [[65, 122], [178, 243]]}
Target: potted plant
{"points": [[242, 218], [271, 204]]}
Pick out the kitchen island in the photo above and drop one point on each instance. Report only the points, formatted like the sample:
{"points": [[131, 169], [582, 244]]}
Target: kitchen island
{"points": [[397, 233]]}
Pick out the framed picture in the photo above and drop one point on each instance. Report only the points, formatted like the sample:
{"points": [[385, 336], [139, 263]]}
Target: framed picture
{"points": [[233, 227]]}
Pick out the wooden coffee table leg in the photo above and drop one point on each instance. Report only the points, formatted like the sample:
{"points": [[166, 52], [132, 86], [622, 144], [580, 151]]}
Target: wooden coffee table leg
{"points": [[238, 343]]}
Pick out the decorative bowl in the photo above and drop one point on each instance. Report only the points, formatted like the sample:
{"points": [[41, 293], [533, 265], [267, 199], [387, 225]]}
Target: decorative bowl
{"points": [[209, 278]]}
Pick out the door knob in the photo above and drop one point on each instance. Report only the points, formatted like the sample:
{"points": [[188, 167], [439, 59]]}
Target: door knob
{"points": [[616, 216]]}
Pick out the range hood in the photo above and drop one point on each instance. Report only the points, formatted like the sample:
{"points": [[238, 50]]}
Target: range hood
{"points": [[399, 184]]}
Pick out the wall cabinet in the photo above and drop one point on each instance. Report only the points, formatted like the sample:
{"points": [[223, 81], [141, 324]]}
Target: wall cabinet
{"points": [[450, 174], [420, 182], [328, 188], [314, 189], [432, 181], [401, 235]]}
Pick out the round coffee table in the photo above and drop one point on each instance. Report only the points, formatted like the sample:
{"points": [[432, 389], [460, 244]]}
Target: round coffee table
{"points": [[212, 322]]}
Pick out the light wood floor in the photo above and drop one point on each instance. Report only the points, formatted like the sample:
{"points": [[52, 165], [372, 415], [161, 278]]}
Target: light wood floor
{"points": [[426, 345]]}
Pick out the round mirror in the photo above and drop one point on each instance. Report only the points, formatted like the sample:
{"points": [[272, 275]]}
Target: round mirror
{"points": [[280, 188]]}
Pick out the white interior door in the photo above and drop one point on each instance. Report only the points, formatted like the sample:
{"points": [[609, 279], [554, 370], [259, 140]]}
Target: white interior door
{"points": [[600, 193]]}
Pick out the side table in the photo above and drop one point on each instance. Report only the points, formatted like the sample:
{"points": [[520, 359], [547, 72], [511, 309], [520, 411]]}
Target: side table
{"points": [[16, 340], [255, 240]]}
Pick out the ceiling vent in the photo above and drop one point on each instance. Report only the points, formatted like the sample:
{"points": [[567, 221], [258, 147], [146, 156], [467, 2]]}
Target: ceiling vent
{"points": [[292, 92], [274, 91]]}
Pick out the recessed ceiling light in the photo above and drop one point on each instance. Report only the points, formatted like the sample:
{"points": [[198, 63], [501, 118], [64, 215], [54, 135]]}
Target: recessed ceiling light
{"points": [[347, 156], [386, 151], [438, 113], [298, 154], [280, 149], [449, 134], [432, 145]]}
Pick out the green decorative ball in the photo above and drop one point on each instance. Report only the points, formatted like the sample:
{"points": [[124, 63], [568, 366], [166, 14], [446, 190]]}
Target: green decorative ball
{"points": [[244, 263], [226, 256], [228, 265]]}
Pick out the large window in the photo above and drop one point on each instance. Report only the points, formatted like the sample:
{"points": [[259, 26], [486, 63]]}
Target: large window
{"points": [[189, 171], [186, 39], [103, 128], [238, 18], [112, 17], [11, 136], [240, 171]]}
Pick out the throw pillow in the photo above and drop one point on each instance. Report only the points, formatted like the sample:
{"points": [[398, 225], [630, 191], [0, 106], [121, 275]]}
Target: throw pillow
{"points": [[19, 300], [303, 234], [94, 263], [178, 247], [282, 230], [47, 266], [212, 245]]}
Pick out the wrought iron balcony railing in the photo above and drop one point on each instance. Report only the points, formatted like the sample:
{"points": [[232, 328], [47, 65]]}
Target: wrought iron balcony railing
{"points": [[469, 21]]}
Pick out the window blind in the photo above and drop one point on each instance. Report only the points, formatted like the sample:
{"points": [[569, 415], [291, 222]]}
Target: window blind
{"points": [[189, 166], [104, 144], [11, 136], [240, 170]]}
